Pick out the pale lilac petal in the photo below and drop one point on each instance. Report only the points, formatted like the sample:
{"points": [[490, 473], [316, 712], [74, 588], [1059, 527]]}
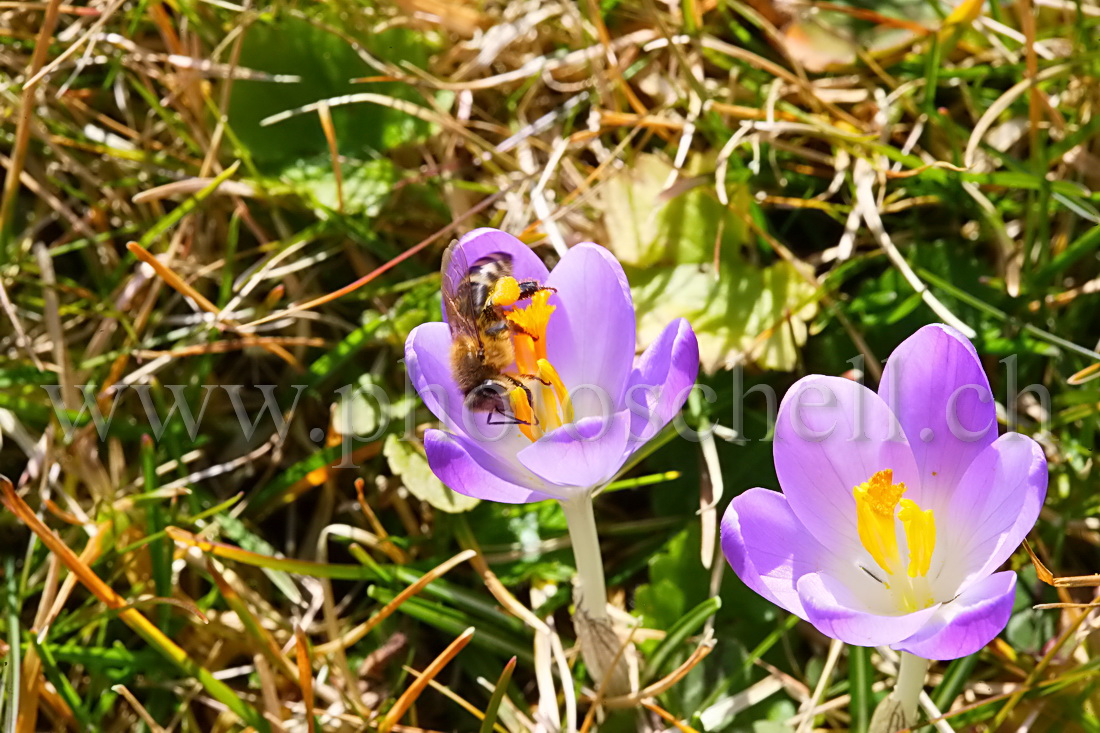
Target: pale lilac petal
{"points": [[835, 612], [661, 380], [768, 547], [590, 339], [832, 435], [451, 460], [992, 509], [427, 360], [939, 392], [967, 623], [584, 455]]}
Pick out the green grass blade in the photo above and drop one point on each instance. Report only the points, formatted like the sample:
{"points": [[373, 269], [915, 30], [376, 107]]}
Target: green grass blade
{"points": [[859, 684], [498, 697], [674, 639]]}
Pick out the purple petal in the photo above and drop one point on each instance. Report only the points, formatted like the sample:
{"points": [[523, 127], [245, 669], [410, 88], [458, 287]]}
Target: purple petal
{"points": [[768, 547], [967, 623], [832, 435], [526, 265], [661, 380], [585, 454], [836, 612], [992, 509], [451, 461], [939, 392], [590, 339]]}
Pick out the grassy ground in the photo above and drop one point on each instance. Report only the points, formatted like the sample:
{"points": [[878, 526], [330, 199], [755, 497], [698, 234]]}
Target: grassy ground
{"points": [[807, 185]]}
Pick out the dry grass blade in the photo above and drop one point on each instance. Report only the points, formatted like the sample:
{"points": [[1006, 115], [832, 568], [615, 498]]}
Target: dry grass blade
{"points": [[305, 675], [26, 112], [865, 201], [355, 635], [325, 115], [169, 276], [139, 708], [668, 717], [662, 685], [352, 287], [106, 595], [410, 695]]}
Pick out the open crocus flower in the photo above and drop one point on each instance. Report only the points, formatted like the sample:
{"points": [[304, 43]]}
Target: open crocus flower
{"points": [[591, 403], [897, 507]]}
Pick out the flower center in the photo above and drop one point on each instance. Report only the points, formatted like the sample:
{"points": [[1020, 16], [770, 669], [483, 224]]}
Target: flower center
{"points": [[549, 406], [877, 512]]}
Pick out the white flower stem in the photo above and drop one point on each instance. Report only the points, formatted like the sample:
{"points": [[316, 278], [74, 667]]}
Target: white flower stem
{"points": [[911, 673], [591, 587]]}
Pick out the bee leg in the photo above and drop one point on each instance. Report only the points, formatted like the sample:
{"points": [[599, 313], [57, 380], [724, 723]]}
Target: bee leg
{"points": [[516, 381], [527, 288], [537, 378], [525, 332], [508, 419]]}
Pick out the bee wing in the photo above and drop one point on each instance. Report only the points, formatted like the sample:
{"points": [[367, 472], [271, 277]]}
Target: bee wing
{"points": [[457, 293]]}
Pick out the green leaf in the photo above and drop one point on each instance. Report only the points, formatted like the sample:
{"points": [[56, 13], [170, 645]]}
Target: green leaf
{"points": [[366, 185], [676, 582], [356, 412], [411, 465], [326, 66], [740, 311]]}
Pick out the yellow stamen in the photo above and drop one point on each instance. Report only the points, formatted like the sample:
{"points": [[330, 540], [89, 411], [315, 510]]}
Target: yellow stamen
{"points": [[920, 536], [533, 320], [527, 357], [876, 500], [521, 408], [505, 292], [552, 406], [548, 373]]}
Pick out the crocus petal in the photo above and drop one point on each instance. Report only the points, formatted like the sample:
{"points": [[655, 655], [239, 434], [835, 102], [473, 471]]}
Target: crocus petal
{"points": [[590, 339], [583, 455], [451, 461], [967, 623], [832, 609], [992, 509], [661, 380], [939, 392], [427, 360], [832, 435], [768, 547]]}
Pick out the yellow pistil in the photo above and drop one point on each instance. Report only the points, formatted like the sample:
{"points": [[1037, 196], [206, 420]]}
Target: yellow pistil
{"points": [[876, 500], [920, 535], [552, 407], [877, 512]]}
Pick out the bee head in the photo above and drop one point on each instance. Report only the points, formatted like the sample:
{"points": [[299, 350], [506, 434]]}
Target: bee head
{"points": [[489, 396]]}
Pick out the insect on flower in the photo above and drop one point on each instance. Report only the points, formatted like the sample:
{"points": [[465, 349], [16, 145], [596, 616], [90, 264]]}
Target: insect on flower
{"points": [[897, 509], [474, 299], [586, 400]]}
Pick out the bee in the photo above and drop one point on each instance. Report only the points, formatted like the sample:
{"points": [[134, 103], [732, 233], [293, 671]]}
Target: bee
{"points": [[481, 336]]}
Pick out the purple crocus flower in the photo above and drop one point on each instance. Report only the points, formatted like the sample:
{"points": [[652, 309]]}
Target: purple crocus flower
{"points": [[897, 507], [599, 404]]}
